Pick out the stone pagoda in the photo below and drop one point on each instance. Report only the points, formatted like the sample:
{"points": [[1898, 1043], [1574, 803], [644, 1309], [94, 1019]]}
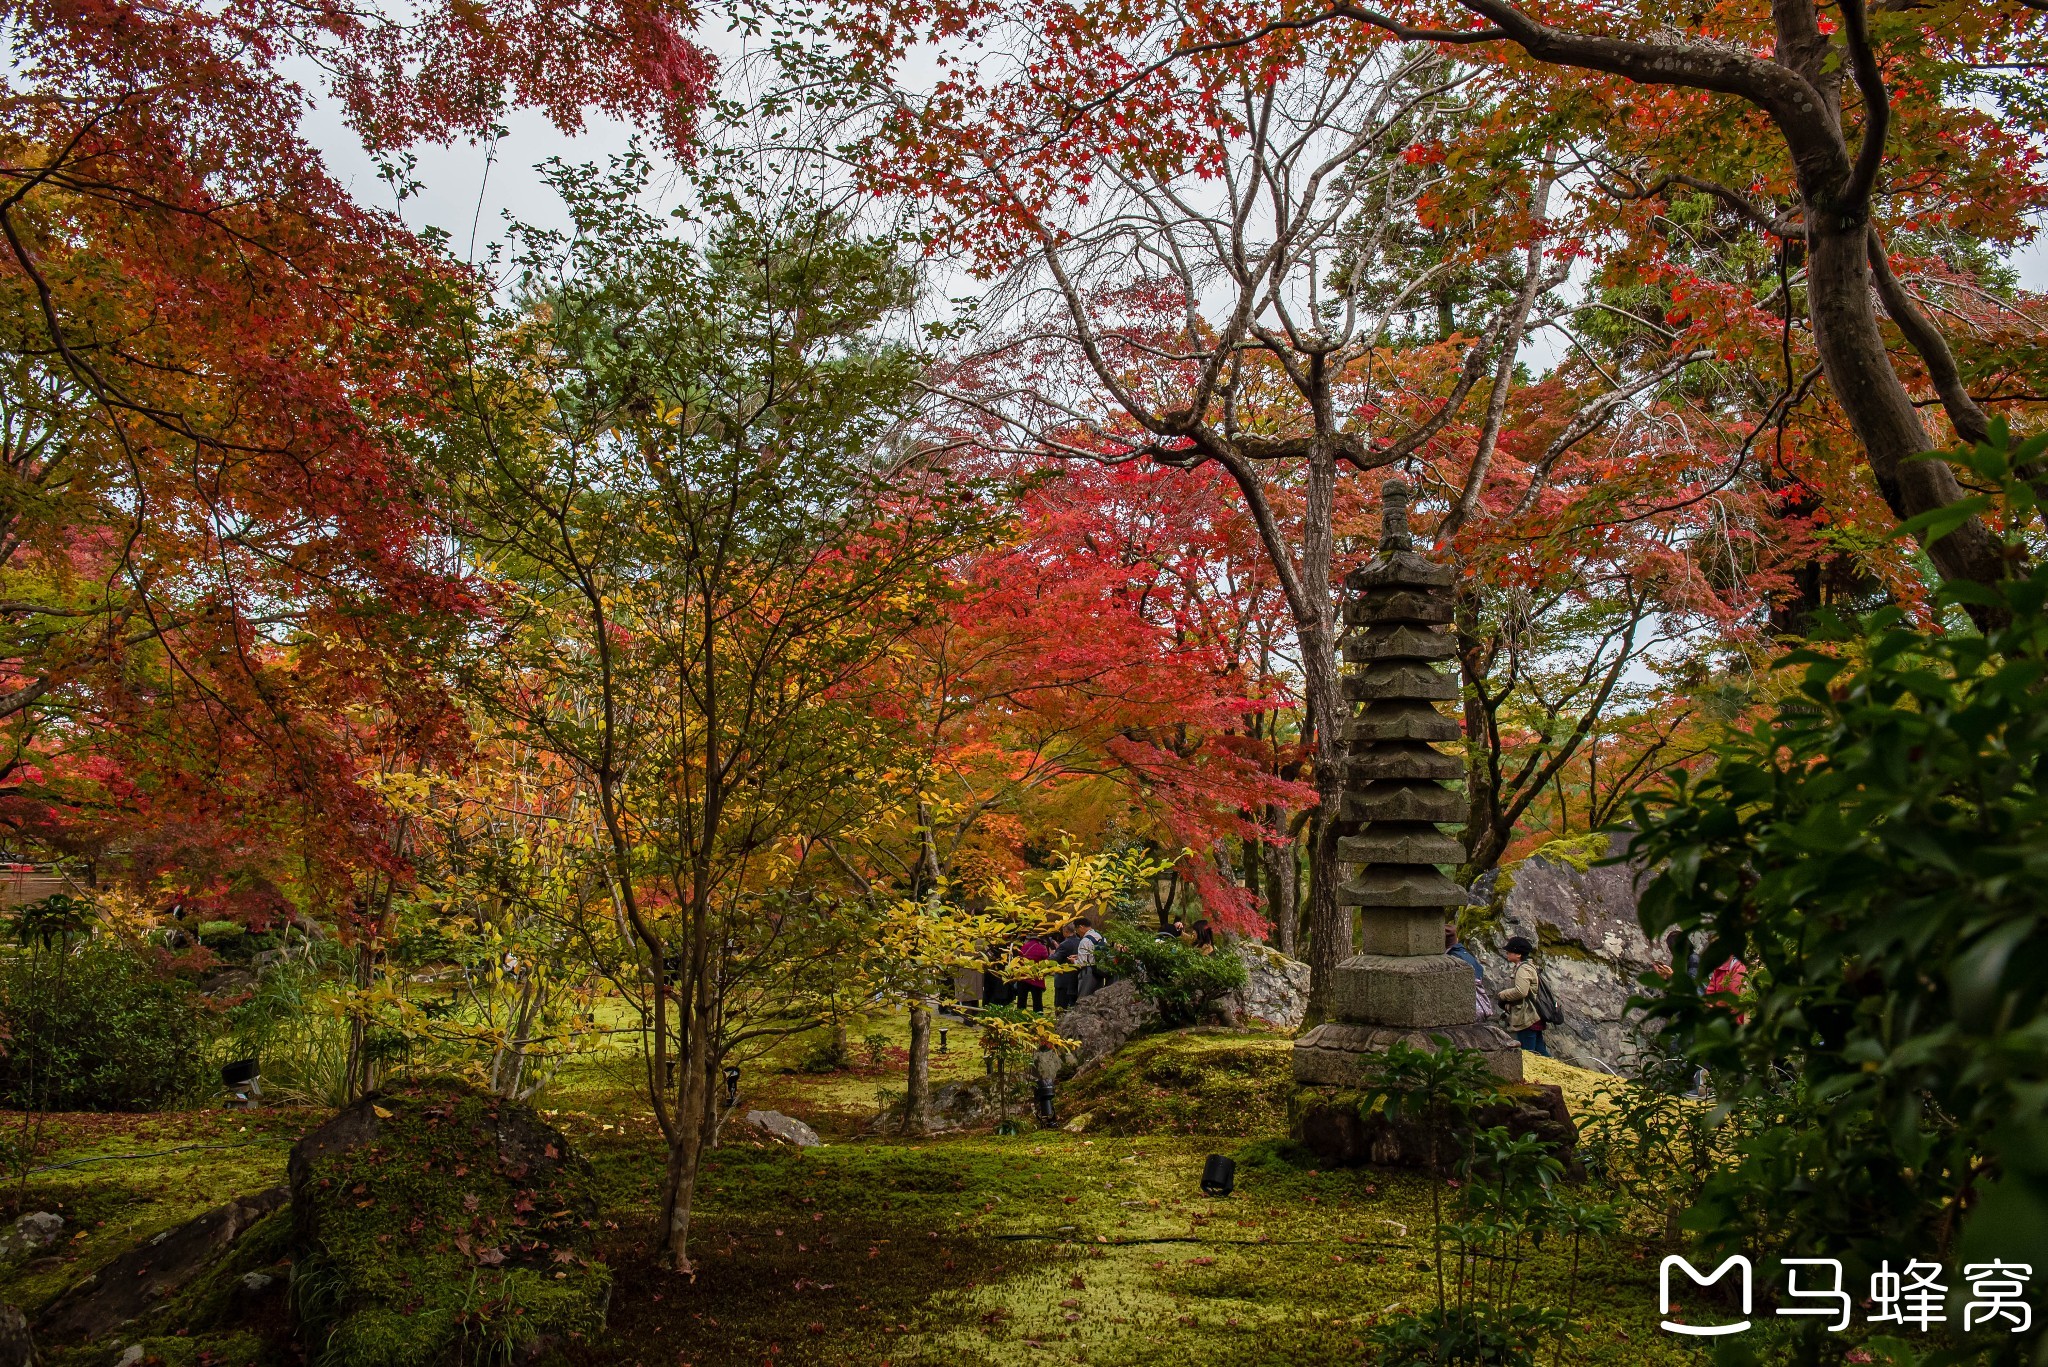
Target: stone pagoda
{"points": [[1401, 986]]}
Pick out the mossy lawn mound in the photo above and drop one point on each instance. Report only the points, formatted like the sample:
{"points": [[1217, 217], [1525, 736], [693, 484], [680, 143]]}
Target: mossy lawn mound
{"points": [[1192, 1082], [434, 1224]]}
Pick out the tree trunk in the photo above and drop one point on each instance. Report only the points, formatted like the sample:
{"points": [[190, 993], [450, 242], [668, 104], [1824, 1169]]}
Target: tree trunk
{"points": [[679, 1186], [1484, 840], [1278, 860], [1842, 309], [917, 1094], [1329, 925]]}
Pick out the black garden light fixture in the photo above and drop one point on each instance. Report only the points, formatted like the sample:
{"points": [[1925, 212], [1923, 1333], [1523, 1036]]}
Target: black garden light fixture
{"points": [[1042, 1095], [942, 1039], [1219, 1175], [732, 1088], [243, 1081]]}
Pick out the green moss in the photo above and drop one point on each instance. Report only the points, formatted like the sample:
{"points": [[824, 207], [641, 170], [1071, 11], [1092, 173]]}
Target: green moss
{"points": [[1578, 852], [169, 1350], [434, 1248], [1190, 1084]]}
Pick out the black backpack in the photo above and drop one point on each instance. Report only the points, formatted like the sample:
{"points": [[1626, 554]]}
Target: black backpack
{"points": [[1546, 1005]]}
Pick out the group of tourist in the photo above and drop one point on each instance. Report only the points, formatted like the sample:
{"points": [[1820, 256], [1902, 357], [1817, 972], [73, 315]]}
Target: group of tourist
{"points": [[1531, 1007], [1078, 943]]}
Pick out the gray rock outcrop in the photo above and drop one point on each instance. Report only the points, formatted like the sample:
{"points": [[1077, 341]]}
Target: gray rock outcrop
{"points": [[1102, 1023], [786, 1128], [32, 1232], [142, 1278], [1591, 946], [1275, 990]]}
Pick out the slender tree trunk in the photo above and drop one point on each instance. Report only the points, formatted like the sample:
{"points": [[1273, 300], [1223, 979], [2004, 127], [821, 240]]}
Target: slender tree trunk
{"points": [[1279, 861], [917, 1094], [1329, 924], [679, 1187], [1484, 837]]}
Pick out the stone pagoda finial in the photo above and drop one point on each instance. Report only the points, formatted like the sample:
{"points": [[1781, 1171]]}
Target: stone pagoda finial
{"points": [[1395, 802], [1394, 516]]}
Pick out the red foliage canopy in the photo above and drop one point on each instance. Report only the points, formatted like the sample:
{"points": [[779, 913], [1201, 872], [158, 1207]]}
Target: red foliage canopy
{"points": [[219, 588]]}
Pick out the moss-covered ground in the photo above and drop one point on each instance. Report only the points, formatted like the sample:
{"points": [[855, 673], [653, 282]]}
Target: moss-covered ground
{"points": [[1045, 1246]]}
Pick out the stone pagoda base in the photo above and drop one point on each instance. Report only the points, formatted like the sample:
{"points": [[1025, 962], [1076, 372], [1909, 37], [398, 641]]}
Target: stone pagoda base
{"points": [[1380, 998], [1344, 1054]]}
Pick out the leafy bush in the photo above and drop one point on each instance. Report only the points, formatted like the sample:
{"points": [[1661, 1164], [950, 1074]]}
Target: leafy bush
{"points": [[56, 919], [1508, 1201], [293, 1024], [1172, 976], [97, 1030], [1874, 853]]}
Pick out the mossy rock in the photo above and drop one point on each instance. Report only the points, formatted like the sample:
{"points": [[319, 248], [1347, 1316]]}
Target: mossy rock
{"points": [[435, 1225], [1189, 1084], [1576, 852]]}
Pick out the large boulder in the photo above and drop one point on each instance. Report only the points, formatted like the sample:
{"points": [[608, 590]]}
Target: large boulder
{"points": [[1275, 991], [145, 1277], [1583, 917], [1100, 1024], [786, 1128], [1199, 1081], [436, 1224]]}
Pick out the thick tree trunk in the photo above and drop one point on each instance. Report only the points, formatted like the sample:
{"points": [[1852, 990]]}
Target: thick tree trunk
{"points": [[1842, 307], [917, 1094]]}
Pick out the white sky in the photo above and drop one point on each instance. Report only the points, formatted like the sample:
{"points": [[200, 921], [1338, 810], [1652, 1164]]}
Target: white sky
{"points": [[472, 184]]}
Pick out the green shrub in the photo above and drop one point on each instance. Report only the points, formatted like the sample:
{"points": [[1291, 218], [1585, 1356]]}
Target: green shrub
{"points": [[1874, 852], [1172, 976], [98, 1029]]}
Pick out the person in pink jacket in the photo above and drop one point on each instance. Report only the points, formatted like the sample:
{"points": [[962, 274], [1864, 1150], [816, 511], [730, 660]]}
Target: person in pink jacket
{"points": [[1035, 949]]}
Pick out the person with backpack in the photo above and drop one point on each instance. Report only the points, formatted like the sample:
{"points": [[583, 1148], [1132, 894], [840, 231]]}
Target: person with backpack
{"points": [[1523, 1000], [1089, 943], [1066, 986]]}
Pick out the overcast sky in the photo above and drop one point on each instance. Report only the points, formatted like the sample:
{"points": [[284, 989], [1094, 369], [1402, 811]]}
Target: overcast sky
{"points": [[472, 184]]}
